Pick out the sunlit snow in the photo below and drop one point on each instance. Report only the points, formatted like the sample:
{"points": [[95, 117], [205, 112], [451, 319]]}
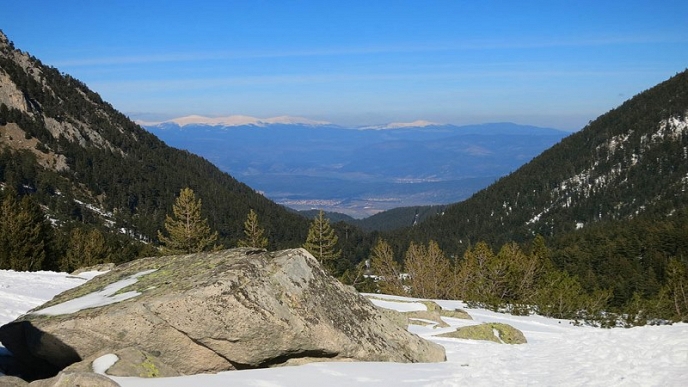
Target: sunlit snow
{"points": [[557, 353], [104, 297]]}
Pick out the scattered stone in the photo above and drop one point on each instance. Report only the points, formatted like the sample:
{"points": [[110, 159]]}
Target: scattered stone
{"points": [[432, 315], [497, 332], [456, 313]]}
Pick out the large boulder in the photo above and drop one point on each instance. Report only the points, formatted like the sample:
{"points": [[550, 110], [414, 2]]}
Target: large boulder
{"points": [[210, 312]]}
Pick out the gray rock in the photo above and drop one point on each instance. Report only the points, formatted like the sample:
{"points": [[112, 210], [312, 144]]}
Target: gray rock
{"points": [[456, 313], [497, 332], [134, 362], [76, 379], [36, 353], [233, 309], [399, 318], [12, 381]]}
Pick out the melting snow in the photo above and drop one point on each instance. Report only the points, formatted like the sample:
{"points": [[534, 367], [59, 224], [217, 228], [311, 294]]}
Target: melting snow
{"points": [[104, 297]]}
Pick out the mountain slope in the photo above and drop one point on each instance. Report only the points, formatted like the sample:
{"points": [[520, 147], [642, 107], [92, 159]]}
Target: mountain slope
{"points": [[89, 156], [630, 162]]}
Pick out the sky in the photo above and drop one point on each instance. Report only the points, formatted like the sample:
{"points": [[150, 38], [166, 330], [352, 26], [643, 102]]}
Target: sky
{"points": [[548, 63]]}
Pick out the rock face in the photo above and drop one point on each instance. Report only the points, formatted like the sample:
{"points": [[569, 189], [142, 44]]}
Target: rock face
{"points": [[228, 310]]}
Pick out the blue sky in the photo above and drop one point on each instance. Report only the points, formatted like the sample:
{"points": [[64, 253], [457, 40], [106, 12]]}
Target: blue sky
{"points": [[547, 63]]}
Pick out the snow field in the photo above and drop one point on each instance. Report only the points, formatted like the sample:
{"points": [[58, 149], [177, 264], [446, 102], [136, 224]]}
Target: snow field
{"points": [[557, 353]]}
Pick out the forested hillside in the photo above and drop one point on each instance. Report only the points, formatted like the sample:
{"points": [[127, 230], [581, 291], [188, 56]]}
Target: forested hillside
{"points": [[611, 202], [630, 162], [92, 168]]}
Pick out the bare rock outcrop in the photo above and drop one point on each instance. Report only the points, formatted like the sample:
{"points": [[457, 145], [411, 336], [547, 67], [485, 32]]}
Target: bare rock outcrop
{"points": [[227, 310]]}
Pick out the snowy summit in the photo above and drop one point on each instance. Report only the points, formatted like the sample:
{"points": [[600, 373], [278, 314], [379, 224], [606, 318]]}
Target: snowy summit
{"points": [[400, 125], [236, 120]]}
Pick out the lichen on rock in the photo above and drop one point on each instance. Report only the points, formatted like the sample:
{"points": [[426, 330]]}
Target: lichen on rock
{"points": [[496, 332], [229, 310]]}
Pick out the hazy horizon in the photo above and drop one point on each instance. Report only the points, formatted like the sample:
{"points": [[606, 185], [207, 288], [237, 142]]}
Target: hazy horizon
{"points": [[541, 63]]}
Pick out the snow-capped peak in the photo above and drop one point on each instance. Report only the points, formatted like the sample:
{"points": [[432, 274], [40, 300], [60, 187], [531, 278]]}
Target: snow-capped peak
{"points": [[399, 125], [237, 120]]}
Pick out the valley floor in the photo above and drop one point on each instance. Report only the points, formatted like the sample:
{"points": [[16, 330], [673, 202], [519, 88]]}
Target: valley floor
{"points": [[557, 353]]}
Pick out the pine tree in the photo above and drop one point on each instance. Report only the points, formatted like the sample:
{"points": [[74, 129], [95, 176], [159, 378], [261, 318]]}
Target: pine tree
{"points": [[676, 289], [188, 232], [25, 234], [84, 249], [560, 296], [386, 268], [253, 233], [322, 242], [471, 281], [428, 270]]}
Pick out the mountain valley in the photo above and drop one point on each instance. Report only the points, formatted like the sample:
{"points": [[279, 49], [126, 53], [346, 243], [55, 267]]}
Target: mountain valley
{"points": [[601, 215], [358, 171]]}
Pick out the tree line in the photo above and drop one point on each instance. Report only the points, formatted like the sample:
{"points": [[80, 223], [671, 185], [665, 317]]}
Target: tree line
{"points": [[517, 279], [520, 281]]}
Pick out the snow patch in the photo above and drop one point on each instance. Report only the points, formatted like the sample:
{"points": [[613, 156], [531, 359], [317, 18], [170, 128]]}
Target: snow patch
{"points": [[104, 297], [400, 306], [103, 363]]}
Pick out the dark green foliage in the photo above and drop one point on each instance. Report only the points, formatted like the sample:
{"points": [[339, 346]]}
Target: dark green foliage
{"points": [[609, 170], [610, 199], [186, 232], [398, 218], [322, 243], [629, 257], [25, 234], [119, 167], [85, 248], [253, 233]]}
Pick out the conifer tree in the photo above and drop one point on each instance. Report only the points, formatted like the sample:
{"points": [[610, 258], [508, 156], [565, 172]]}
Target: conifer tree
{"points": [[383, 265], [471, 281], [25, 234], [188, 232], [253, 233], [84, 249], [428, 270], [322, 242], [676, 290]]}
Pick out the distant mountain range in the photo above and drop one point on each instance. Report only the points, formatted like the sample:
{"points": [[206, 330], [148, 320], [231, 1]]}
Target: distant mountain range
{"points": [[306, 164], [236, 120]]}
